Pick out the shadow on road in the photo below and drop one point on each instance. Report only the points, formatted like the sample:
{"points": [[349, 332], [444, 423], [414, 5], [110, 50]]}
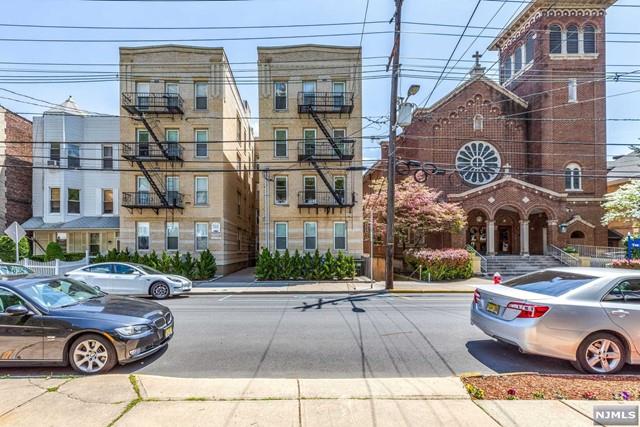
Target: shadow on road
{"points": [[504, 358], [351, 299]]}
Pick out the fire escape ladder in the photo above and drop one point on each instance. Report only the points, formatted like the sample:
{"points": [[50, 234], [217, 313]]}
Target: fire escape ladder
{"points": [[327, 183], [153, 132], [151, 178], [325, 130]]}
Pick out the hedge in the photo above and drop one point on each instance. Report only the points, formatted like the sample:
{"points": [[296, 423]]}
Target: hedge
{"points": [[202, 268], [285, 266], [446, 264]]}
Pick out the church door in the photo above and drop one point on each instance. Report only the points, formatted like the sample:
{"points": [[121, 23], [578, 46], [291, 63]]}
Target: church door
{"points": [[505, 239]]}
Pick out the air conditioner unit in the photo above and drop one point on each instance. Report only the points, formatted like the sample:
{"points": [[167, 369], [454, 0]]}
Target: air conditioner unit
{"points": [[54, 163]]}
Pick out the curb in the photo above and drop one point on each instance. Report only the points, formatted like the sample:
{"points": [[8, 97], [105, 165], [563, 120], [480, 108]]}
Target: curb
{"points": [[365, 291]]}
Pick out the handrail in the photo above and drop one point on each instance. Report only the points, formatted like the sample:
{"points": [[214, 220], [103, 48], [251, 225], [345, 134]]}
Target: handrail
{"points": [[600, 251], [562, 256], [483, 260]]}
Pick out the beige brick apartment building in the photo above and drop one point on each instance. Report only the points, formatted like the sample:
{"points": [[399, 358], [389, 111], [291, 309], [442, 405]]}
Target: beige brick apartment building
{"points": [[310, 148], [184, 123]]}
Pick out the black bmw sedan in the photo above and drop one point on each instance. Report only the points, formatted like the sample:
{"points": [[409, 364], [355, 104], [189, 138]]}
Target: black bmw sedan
{"points": [[60, 321]]}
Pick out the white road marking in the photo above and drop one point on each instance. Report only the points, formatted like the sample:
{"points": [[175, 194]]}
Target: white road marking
{"points": [[224, 298]]}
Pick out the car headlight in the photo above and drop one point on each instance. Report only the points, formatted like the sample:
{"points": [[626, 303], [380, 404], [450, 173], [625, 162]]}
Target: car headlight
{"points": [[133, 330]]}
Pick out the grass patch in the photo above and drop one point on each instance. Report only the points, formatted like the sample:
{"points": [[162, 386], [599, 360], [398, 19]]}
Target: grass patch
{"points": [[134, 383], [129, 407], [52, 389], [196, 399]]}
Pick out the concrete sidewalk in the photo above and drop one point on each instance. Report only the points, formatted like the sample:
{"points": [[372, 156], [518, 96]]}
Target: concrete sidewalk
{"points": [[222, 286], [143, 400]]}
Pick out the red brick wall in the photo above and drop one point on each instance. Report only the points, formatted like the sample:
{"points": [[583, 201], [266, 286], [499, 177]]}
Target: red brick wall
{"points": [[18, 172]]}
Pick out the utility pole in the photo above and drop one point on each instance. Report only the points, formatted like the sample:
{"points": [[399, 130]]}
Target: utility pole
{"points": [[391, 163]]}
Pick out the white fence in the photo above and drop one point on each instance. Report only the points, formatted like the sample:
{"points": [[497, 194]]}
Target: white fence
{"points": [[55, 267]]}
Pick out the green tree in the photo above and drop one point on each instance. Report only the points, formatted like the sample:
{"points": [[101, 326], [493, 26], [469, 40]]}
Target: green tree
{"points": [[623, 205], [206, 266], [53, 251], [8, 249]]}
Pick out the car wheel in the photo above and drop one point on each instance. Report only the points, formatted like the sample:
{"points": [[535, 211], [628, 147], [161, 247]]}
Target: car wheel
{"points": [[160, 290], [92, 354], [602, 353]]}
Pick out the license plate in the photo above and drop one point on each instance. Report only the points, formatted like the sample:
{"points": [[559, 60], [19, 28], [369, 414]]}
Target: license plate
{"points": [[168, 332], [493, 308]]}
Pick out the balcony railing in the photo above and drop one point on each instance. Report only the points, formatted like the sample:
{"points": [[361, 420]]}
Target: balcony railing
{"points": [[323, 150], [148, 199], [170, 151], [156, 102], [324, 199], [325, 102]]}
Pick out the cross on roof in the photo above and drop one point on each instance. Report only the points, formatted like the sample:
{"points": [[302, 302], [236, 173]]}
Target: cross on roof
{"points": [[477, 57]]}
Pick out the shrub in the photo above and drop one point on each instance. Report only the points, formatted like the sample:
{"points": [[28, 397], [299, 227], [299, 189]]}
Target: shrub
{"points": [[475, 392], [202, 268], [633, 264], [284, 266], [447, 264], [53, 251], [8, 249]]}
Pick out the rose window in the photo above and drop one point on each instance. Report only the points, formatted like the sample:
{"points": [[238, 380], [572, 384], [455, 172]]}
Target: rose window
{"points": [[478, 162]]}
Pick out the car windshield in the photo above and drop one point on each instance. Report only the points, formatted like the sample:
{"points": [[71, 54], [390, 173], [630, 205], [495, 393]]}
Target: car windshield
{"points": [[147, 269], [14, 270], [550, 283], [59, 293]]}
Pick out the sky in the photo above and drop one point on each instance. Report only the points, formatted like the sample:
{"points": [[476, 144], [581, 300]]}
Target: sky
{"points": [[417, 45]]}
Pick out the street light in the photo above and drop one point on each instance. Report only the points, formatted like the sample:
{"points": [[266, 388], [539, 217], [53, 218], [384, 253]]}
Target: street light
{"points": [[413, 89], [405, 109]]}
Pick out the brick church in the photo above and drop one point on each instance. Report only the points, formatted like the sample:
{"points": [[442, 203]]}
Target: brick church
{"points": [[526, 156]]}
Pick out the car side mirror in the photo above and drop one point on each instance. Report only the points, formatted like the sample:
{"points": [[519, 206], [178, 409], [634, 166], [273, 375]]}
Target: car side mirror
{"points": [[17, 310], [97, 288]]}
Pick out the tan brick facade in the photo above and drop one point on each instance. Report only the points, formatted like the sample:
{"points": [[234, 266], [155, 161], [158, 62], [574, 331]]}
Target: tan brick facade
{"points": [[331, 76], [222, 170]]}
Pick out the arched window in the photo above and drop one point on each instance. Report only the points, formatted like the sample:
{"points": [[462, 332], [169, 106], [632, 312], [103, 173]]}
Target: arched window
{"points": [[478, 122], [517, 59], [572, 177], [577, 235], [589, 38], [507, 68], [572, 39], [529, 45], [555, 39]]}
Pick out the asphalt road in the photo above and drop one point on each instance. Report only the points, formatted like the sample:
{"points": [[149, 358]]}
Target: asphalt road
{"points": [[329, 336]]}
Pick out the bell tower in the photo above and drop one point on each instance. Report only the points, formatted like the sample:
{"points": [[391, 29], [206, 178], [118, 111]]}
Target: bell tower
{"points": [[553, 56]]}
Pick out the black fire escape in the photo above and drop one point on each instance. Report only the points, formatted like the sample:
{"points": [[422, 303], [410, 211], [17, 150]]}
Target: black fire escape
{"points": [[330, 148], [140, 106]]}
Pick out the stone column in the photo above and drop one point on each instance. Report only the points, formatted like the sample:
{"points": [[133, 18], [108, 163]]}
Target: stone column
{"points": [[491, 238], [524, 237], [552, 232]]}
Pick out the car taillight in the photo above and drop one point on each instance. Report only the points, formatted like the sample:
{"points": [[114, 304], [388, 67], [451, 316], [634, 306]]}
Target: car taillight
{"points": [[476, 296], [528, 311]]}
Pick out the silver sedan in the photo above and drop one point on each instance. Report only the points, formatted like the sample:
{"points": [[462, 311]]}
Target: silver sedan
{"points": [[125, 278], [588, 316]]}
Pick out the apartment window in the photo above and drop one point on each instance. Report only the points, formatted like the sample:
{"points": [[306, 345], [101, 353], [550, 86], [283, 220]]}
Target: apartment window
{"points": [[282, 190], [173, 235], [310, 236], [142, 95], [201, 95], [54, 200], [202, 138], [280, 90], [202, 190], [309, 92], [573, 44], [282, 235], [202, 240], [309, 189], [572, 87], [173, 190], [529, 46], [142, 141], [339, 184], [239, 202], [107, 201], [238, 129], [555, 39], [172, 136], [589, 39], [309, 136], [54, 151], [73, 201], [507, 68], [573, 177], [107, 157], [142, 236], [340, 236], [73, 156], [281, 147], [171, 89], [517, 63], [94, 243], [338, 94]]}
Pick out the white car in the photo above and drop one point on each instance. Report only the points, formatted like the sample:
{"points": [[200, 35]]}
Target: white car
{"points": [[126, 278]]}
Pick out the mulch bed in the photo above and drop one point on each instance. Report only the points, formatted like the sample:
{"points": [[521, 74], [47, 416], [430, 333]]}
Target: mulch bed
{"points": [[549, 387]]}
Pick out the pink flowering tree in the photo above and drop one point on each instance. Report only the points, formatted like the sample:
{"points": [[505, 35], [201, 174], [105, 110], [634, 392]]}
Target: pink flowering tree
{"points": [[419, 209]]}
